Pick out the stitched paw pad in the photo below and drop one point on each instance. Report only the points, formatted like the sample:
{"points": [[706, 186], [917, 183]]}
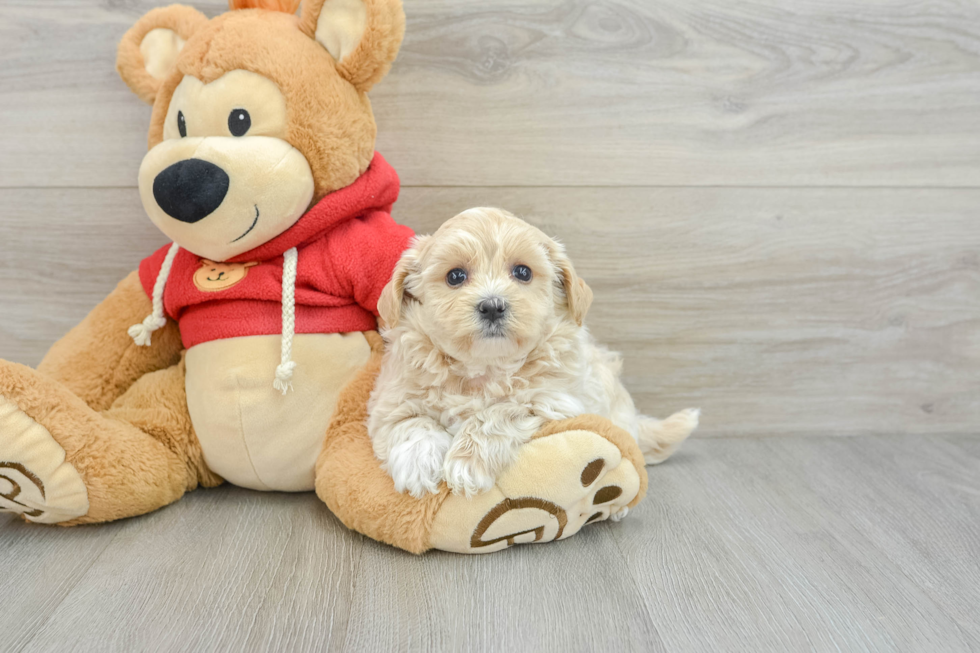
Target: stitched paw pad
{"points": [[35, 479], [558, 484]]}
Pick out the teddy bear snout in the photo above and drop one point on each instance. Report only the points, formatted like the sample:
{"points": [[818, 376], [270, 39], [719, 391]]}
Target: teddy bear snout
{"points": [[190, 190]]}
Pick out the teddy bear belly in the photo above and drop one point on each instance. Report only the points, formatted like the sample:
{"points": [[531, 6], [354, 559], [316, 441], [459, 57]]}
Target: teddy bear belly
{"points": [[251, 434]]}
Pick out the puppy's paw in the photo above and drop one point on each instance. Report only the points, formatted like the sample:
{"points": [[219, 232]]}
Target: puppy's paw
{"points": [[618, 514], [416, 467], [467, 474]]}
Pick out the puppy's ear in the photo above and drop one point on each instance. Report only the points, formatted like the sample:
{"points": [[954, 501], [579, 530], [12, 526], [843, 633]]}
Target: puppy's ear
{"points": [[393, 295], [578, 295], [363, 36], [148, 51]]}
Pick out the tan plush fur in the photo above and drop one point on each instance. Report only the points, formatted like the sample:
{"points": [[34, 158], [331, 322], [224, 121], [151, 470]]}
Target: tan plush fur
{"points": [[330, 117], [458, 394], [137, 456], [364, 497], [350, 482], [372, 58], [129, 61], [118, 410], [622, 439], [286, 6], [98, 361]]}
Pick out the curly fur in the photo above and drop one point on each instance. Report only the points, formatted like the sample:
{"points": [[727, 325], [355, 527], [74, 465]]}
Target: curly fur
{"points": [[455, 397]]}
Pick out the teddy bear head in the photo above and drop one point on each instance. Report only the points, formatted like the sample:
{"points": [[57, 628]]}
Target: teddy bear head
{"points": [[258, 113]]}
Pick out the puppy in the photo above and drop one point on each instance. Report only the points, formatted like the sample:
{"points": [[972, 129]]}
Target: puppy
{"points": [[485, 343]]}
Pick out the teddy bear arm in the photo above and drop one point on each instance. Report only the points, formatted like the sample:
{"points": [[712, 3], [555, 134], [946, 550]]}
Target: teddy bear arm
{"points": [[98, 360]]}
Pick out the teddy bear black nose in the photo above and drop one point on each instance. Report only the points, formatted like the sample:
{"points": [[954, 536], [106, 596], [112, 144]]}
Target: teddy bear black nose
{"points": [[190, 190]]}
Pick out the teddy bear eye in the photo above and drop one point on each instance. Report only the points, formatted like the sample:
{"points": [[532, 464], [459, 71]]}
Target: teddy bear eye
{"points": [[181, 124], [239, 122], [522, 273], [456, 277]]}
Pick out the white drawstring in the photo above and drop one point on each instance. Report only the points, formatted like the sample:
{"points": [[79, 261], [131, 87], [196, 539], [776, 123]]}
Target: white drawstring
{"points": [[284, 373], [140, 333]]}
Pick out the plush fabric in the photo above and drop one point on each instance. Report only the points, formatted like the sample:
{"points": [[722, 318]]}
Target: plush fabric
{"points": [[287, 6], [98, 361], [347, 244], [229, 394], [353, 485], [333, 127], [548, 494], [105, 429], [135, 457], [381, 35], [35, 478], [132, 67]]}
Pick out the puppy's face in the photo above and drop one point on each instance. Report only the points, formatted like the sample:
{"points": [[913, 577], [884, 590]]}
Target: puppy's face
{"points": [[486, 286]]}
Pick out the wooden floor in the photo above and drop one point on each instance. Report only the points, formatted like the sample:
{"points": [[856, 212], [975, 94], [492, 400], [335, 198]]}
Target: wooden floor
{"points": [[744, 544], [778, 208], [775, 203]]}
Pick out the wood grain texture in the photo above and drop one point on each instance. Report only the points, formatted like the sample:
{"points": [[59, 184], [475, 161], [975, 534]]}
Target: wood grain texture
{"points": [[822, 544], [776, 205], [625, 92], [778, 311]]}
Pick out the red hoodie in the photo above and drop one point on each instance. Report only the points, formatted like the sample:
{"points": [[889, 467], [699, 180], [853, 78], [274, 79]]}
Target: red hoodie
{"points": [[347, 246]]}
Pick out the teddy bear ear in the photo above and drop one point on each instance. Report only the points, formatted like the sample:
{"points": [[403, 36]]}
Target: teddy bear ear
{"points": [[148, 51], [363, 36]]}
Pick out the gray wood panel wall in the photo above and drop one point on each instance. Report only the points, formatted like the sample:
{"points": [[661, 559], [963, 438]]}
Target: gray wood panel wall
{"points": [[778, 206]]}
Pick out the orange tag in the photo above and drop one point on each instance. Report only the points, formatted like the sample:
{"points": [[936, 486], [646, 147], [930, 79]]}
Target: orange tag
{"points": [[213, 277]]}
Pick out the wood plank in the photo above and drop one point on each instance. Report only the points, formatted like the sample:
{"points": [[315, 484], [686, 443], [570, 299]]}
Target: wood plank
{"points": [[579, 595], [571, 92], [865, 543], [766, 545], [225, 569], [930, 525], [39, 567], [778, 311]]}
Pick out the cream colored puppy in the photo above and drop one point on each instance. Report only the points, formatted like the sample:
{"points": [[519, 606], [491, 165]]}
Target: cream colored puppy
{"points": [[485, 343]]}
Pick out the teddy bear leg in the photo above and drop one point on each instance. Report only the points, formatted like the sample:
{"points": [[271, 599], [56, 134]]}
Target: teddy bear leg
{"points": [[572, 473], [63, 462], [349, 479], [98, 361]]}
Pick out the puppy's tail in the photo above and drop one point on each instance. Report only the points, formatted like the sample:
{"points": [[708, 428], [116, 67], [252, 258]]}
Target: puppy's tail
{"points": [[659, 438]]}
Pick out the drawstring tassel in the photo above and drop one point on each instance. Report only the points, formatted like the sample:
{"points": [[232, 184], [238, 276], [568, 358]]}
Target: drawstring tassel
{"points": [[140, 333], [284, 372]]}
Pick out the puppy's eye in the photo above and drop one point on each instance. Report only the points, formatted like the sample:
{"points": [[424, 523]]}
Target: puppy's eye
{"points": [[181, 124], [522, 273], [456, 277], [239, 122]]}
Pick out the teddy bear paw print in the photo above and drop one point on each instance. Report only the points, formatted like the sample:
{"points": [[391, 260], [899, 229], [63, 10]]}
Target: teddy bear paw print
{"points": [[559, 483], [35, 479]]}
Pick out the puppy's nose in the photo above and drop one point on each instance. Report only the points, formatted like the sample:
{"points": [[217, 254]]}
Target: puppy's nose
{"points": [[190, 190], [492, 309]]}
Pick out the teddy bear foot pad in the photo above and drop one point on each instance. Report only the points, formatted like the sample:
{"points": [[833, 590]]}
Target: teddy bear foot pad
{"points": [[526, 507], [35, 479]]}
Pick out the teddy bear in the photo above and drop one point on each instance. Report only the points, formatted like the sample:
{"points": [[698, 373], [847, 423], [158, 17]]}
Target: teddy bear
{"points": [[245, 351]]}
